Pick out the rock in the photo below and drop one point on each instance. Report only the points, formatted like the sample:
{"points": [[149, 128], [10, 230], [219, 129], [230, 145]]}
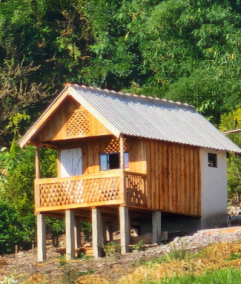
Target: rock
{"points": [[62, 243], [176, 240]]}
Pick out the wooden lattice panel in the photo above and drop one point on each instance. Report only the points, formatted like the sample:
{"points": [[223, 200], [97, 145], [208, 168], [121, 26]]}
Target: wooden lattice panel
{"points": [[114, 146], [79, 191], [136, 190], [78, 123]]}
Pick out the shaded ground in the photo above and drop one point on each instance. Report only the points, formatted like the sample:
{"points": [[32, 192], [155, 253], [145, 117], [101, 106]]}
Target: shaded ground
{"points": [[23, 265]]}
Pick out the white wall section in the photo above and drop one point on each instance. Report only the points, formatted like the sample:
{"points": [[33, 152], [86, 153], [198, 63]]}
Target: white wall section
{"points": [[213, 190]]}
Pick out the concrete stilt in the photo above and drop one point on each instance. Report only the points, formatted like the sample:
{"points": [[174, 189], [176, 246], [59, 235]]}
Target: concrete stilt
{"points": [[124, 229], [104, 228], [41, 238], [109, 232], [97, 233], [77, 230], [156, 227], [69, 234]]}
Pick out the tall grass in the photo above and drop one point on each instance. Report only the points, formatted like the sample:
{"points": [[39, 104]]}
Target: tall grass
{"points": [[225, 276]]}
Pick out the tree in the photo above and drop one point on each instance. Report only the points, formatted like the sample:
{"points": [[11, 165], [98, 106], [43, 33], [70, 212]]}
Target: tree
{"points": [[231, 121], [17, 194]]}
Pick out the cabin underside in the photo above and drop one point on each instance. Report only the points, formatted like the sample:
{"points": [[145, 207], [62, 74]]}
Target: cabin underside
{"points": [[123, 225]]}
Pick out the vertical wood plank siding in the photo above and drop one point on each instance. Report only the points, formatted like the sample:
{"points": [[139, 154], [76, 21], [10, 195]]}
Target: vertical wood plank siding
{"points": [[92, 147], [173, 177]]}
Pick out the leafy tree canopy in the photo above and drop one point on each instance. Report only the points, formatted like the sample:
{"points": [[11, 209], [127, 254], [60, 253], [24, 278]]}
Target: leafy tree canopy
{"points": [[184, 50]]}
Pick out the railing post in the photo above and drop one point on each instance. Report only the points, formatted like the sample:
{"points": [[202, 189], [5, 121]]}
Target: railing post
{"points": [[122, 167], [37, 176], [37, 163]]}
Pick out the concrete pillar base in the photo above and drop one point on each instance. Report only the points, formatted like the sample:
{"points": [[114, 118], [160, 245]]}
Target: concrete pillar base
{"points": [[156, 227], [124, 229], [97, 233], [41, 238], [69, 231]]}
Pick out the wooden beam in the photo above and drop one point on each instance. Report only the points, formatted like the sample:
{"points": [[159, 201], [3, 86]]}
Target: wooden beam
{"points": [[37, 174], [232, 131], [51, 146], [37, 163], [104, 174], [55, 215], [76, 206]]}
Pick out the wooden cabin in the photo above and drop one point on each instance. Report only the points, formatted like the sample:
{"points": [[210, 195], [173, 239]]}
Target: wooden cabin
{"points": [[127, 159]]}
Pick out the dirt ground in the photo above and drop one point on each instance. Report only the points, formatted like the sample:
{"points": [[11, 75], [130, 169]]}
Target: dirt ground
{"points": [[23, 265]]}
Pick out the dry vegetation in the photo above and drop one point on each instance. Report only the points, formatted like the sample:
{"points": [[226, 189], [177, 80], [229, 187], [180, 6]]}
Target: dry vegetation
{"points": [[216, 257], [177, 262]]}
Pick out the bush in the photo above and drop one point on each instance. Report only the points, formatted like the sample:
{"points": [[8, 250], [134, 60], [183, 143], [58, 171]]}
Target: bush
{"points": [[9, 227]]}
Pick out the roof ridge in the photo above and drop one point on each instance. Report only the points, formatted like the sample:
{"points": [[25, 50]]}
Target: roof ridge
{"points": [[131, 95]]}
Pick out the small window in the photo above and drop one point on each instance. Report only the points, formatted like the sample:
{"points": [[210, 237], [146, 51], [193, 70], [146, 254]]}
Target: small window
{"points": [[126, 159], [212, 160], [112, 161]]}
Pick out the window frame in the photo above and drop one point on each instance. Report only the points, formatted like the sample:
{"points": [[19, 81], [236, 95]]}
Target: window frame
{"points": [[215, 160], [108, 154]]}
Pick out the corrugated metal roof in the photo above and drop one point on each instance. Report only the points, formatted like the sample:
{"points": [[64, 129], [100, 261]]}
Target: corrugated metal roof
{"points": [[156, 119]]}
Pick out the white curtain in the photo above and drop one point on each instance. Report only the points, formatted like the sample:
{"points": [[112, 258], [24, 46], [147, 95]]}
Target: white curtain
{"points": [[71, 162]]}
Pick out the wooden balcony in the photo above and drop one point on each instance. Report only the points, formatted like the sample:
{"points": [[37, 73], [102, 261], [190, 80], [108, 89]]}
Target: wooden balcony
{"points": [[105, 188]]}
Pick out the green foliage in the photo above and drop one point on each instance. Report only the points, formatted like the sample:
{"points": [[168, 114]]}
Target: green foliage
{"points": [[112, 248], [83, 256], [17, 195], [69, 275], [183, 50], [85, 226], [139, 246], [88, 272], [9, 227], [178, 254], [9, 280], [230, 121], [225, 276], [234, 256]]}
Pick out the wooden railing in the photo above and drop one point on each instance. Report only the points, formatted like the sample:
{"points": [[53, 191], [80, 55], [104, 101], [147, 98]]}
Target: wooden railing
{"points": [[78, 191], [104, 188], [136, 189]]}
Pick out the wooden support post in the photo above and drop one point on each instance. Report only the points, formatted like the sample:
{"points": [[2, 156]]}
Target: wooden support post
{"points": [[69, 234], [156, 227], [124, 229], [77, 231], [97, 233], [37, 163], [37, 176], [41, 238], [122, 167]]}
